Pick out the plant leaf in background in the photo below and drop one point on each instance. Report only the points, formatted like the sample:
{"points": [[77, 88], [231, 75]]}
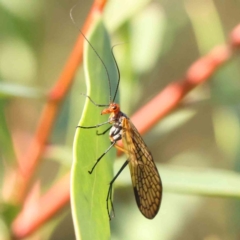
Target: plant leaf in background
{"points": [[89, 192], [197, 181], [6, 146], [121, 11], [8, 90]]}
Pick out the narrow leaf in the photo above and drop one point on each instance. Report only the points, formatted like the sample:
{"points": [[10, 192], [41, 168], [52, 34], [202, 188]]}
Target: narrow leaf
{"points": [[193, 181], [89, 191], [8, 91]]}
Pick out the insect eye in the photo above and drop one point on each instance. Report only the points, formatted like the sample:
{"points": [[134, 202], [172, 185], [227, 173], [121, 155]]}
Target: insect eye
{"points": [[114, 107]]}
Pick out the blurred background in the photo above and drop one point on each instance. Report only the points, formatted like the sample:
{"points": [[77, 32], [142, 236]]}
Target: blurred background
{"points": [[162, 39]]}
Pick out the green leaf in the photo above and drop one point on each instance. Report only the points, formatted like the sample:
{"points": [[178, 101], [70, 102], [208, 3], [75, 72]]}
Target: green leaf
{"points": [[8, 90], [200, 181], [146, 43], [121, 11], [7, 154], [193, 181], [89, 192]]}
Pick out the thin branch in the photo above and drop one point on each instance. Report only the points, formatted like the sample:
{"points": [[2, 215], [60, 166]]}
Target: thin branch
{"points": [[168, 99]]}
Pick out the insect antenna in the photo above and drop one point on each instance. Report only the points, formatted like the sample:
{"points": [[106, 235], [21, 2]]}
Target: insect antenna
{"points": [[119, 76], [98, 105], [104, 65]]}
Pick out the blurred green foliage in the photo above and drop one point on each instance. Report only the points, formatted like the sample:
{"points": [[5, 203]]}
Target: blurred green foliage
{"points": [[161, 40]]}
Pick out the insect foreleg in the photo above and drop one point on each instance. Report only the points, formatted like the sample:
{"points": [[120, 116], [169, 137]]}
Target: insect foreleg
{"points": [[113, 143], [96, 126], [102, 133], [109, 195]]}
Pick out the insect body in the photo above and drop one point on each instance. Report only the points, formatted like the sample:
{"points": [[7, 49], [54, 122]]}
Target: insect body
{"points": [[145, 178], [146, 181]]}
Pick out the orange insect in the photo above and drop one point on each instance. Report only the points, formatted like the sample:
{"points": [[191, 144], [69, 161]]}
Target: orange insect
{"points": [[146, 181]]}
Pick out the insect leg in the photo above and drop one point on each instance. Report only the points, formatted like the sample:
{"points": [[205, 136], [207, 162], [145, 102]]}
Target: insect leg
{"points": [[113, 143], [109, 195], [102, 133], [96, 126], [121, 148]]}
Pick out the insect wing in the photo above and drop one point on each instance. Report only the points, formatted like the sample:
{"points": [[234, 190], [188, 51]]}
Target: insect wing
{"points": [[146, 181]]}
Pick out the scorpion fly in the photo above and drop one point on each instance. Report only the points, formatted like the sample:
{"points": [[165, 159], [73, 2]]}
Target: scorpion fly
{"points": [[146, 181]]}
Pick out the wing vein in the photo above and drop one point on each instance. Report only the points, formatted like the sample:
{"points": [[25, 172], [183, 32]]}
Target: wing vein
{"points": [[146, 181]]}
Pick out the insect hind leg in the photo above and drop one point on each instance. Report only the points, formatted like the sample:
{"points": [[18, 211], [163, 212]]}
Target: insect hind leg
{"points": [[109, 195], [98, 160]]}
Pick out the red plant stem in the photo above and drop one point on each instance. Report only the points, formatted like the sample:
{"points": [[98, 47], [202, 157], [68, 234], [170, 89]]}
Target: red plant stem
{"points": [[29, 161], [198, 73], [156, 109], [171, 96], [59, 193]]}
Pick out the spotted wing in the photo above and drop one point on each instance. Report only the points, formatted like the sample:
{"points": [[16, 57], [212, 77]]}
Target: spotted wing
{"points": [[146, 181]]}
